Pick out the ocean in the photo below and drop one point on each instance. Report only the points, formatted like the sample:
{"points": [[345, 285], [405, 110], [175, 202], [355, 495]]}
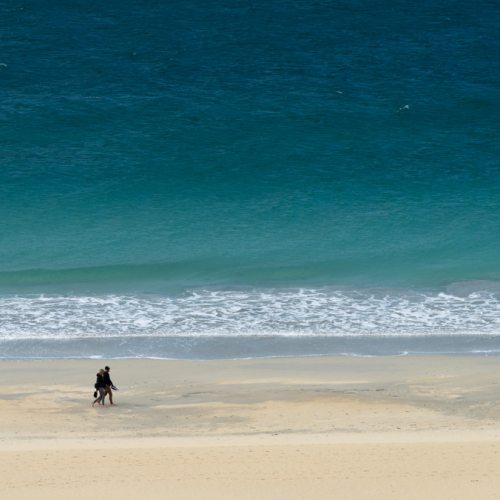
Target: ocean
{"points": [[227, 179]]}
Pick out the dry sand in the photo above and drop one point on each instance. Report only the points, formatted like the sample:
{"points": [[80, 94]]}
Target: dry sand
{"points": [[328, 427]]}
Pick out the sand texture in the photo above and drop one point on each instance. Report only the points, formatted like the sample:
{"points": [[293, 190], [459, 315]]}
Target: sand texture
{"points": [[328, 427]]}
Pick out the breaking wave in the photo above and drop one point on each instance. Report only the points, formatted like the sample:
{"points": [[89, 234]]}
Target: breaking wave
{"points": [[264, 312]]}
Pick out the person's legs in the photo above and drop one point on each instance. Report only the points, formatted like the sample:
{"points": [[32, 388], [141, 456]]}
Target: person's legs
{"points": [[109, 392], [98, 398], [103, 395]]}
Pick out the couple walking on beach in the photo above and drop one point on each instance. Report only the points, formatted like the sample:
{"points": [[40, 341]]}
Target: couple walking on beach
{"points": [[104, 385]]}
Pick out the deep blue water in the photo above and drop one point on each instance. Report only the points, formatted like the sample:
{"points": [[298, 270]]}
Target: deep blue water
{"points": [[278, 167]]}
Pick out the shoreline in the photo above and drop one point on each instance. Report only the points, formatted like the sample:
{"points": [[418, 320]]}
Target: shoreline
{"points": [[246, 347]]}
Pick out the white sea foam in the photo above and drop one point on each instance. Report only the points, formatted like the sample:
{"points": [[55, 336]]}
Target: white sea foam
{"points": [[304, 312]]}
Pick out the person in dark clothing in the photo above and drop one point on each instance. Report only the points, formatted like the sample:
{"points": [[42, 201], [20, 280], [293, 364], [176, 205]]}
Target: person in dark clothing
{"points": [[100, 386], [107, 385]]}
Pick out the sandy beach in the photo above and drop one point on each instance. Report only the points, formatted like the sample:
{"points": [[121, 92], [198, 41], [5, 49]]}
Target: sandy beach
{"points": [[324, 427]]}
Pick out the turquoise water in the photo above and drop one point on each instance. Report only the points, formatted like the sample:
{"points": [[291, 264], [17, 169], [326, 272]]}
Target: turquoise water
{"points": [[279, 168]]}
